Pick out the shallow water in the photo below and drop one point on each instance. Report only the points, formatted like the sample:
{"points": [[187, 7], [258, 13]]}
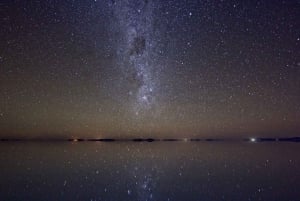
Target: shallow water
{"points": [[121, 171]]}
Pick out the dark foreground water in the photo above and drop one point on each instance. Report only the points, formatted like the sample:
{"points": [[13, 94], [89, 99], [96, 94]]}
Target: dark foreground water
{"points": [[158, 171]]}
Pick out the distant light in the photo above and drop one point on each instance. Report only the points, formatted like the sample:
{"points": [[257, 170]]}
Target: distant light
{"points": [[185, 139], [252, 139], [75, 140]]}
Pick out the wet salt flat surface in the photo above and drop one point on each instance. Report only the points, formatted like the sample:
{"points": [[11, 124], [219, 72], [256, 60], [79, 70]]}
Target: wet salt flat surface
{"points": [[149, 171]]}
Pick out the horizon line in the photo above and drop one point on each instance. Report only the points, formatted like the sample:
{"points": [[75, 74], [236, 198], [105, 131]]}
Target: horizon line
{"points": [[249, 139]]}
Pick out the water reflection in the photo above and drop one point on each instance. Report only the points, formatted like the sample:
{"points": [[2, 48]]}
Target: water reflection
{"points": [[149, 171]]}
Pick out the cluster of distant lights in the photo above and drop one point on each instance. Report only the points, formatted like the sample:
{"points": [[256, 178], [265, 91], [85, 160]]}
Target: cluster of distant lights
{"points": [[252, 139]]}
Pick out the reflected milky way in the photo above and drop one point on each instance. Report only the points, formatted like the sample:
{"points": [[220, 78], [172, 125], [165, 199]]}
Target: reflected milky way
{"points": [[162, 171]]}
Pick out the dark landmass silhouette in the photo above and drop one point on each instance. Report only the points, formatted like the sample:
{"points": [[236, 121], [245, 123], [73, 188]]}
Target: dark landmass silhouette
{"points": [[253, 140]]}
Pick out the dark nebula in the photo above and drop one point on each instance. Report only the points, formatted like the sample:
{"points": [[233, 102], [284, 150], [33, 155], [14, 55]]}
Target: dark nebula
{"points": [[138, 46]]}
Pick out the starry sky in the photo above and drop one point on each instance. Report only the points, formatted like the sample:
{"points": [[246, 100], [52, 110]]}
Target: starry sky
{"points": [[158, 68]]}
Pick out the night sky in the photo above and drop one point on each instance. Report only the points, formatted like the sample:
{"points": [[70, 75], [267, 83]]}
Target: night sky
{"points": [[149, 68]]}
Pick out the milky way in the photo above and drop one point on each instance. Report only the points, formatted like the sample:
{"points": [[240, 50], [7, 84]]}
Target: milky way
{"points": [[136, 50]]}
